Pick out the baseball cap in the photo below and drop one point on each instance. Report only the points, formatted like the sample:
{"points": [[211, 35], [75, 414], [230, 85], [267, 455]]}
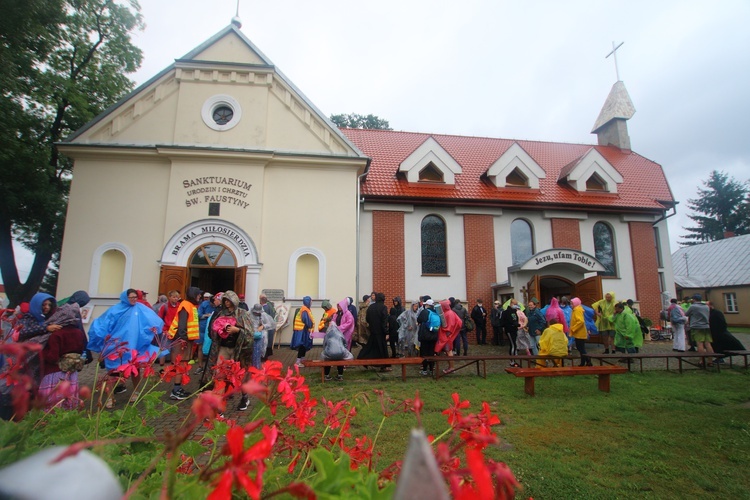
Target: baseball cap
{"points": [[430, 302], [241, 296], [207, 295]]}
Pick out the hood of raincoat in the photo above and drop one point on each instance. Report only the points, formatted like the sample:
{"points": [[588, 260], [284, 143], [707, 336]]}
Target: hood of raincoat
{"points": [[614, 299], [192, 293], [307, 301], [445, 305], [575, 302], [397, 300], [344, 304], [232, 297], [35, 305], [80, 297]]}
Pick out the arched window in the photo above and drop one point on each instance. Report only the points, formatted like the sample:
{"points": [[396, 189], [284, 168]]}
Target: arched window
{"points": [[434, 259], [521, 241], [307, 276], [604, 248], [111, 272], [212, 255]]}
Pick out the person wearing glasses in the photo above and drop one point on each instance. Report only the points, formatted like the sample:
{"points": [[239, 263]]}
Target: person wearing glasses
{"points": [[125, 327]]}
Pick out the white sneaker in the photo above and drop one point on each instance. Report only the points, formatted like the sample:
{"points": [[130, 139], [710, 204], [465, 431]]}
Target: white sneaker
{"points": [[299, 362]]}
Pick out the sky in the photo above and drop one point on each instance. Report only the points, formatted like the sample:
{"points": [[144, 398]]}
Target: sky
{"points": [[533, 70]]}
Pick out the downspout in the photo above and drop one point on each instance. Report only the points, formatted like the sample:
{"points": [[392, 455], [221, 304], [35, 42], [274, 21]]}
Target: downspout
{"points": [[359, 201], [664, 217]]}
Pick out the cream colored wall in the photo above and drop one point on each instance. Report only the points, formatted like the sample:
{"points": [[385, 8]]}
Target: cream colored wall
{"points": [[115, 201], [230, 49], [187, 169], [308, 206], [250, 131]]}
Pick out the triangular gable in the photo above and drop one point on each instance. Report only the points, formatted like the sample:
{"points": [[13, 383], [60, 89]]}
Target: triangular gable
{"points": [[515, 158], [578, 172], [430, 152], [228, 57]]}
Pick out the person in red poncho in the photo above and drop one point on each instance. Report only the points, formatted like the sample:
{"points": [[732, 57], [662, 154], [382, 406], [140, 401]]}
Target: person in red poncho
{"points": [[448, 333]]}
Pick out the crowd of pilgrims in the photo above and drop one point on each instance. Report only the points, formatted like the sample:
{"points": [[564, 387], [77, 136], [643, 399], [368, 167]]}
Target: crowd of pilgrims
{"points": [[205, 327]]}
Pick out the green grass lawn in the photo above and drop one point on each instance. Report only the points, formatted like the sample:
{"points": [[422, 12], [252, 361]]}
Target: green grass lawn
{"points": [[656, 435]]}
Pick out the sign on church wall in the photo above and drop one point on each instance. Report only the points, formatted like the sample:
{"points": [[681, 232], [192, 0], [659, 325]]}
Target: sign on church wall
{"points": [[216, 189], [561, 256]]}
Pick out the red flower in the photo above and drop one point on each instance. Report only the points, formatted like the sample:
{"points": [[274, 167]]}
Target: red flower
{"points": [[269, 371], [228, 372], [207, 405], [178, 368], [454, 412], [242, 462], [132, 367], [482, 485], [360, 453]]}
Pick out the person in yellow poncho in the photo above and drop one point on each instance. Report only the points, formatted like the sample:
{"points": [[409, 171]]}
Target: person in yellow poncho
{"points": [[578, 330], [553, 342], [604, 309]]}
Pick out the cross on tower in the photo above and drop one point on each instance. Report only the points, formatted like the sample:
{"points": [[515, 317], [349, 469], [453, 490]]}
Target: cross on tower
{"points": [[613, 53]]}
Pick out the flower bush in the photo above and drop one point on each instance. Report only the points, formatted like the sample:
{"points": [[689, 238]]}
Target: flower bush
{"points": [[293, 446]]}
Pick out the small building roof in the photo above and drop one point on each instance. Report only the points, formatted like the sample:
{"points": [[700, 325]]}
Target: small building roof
{"points": [[715, 264]]}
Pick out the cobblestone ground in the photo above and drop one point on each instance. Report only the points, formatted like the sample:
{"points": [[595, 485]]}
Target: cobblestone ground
{"points": [[288, 356]]}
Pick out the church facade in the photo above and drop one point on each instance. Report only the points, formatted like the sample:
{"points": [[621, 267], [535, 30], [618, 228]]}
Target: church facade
{"points": [[220, 173]]}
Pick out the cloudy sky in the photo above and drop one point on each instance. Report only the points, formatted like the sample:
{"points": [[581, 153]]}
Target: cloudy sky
{"points": [[512, 69]]}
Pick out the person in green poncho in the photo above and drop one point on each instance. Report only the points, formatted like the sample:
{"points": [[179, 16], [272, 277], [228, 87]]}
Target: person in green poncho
{"points": [[604, 309], [626, 330], [638, 337]]}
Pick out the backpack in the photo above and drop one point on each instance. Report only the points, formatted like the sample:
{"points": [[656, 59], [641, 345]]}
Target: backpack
{"points": [[664, 315], [469, 324], [434, 322], [271, 309]]}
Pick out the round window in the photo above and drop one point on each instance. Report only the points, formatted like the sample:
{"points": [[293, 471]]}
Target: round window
{"points": [[223, 115], [221, 112]]}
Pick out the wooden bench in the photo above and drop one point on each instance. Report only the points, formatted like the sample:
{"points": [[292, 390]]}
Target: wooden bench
{"points": [[461, 362], [530, 374], [744, 354], [681, 357], [404, 362]]}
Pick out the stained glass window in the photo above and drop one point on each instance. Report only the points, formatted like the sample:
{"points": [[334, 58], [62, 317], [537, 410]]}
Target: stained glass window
{"points": [[521, 241], [604, 248], [434, 260]]}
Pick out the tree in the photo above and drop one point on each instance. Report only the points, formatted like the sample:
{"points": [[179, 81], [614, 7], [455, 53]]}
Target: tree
{"points": [[62, 62], [359, 121], [723, 207]]}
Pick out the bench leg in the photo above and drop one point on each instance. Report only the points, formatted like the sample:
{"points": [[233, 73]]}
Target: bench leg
{"points": [[322, 375], [528, 385], [403, 373], [484, 368], [604, 382]]}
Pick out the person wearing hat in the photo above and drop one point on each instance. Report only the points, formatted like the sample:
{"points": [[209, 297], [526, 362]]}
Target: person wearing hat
{"points": [[205, 310], [262, 323], [328, 312], [243, 304], [698, 315]]}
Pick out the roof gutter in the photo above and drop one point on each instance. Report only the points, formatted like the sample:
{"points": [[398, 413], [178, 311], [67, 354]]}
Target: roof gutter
{"points": [[665, 216], [360, 200]]}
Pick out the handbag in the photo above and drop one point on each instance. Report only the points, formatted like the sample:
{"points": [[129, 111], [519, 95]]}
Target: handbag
{"points": [[71, 362]]}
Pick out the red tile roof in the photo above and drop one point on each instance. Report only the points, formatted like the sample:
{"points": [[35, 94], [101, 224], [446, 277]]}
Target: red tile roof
{"points": [[644, 185]]}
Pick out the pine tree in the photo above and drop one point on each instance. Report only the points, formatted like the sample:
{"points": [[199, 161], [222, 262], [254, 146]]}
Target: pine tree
{"points": [[724, 206]]}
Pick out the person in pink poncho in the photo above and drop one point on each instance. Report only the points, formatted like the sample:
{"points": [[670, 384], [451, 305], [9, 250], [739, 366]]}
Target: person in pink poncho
{"points": [[345, 321], [554, 311], [448, 333]]}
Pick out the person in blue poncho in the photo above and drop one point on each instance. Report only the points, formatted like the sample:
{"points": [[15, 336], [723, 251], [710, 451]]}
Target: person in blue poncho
{"points": [[124, 327]]}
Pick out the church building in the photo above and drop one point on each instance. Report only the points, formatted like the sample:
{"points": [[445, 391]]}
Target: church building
{"points": [[219, 173]]}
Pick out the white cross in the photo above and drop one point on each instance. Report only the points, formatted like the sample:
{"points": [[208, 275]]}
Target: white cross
{"points": [[613, 53]]}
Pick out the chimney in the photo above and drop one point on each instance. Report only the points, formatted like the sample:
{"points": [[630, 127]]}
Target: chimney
{"points": [[611, 128]]}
